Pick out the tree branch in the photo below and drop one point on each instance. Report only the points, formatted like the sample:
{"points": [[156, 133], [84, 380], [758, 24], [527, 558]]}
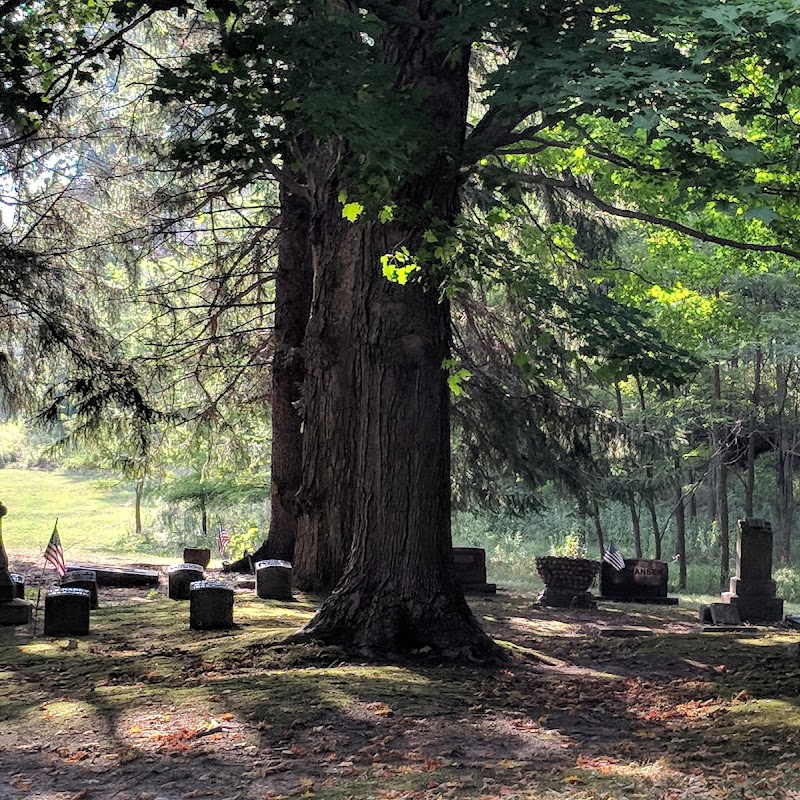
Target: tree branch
{"points": [[571, 186]]}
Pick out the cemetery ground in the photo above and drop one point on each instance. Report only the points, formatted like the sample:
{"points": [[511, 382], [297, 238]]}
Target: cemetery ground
{"points": [[145, 709]]}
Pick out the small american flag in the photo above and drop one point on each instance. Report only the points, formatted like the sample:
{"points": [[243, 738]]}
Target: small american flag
{"points": [[223, 539], [613, 556], [53, 553]]}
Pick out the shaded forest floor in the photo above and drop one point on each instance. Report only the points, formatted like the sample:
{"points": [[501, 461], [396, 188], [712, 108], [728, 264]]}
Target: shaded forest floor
{"points": [[145, 709]]}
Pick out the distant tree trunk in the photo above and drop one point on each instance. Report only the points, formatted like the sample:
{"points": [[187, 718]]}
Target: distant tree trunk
{"points": [[785, 456], [631, 497], [293, 283], [138, 491], [720, 442], [693, 497], [598, 528], [750, 484], [618, 395], [635, 524], [651, 506], [649, 493], [680, 530], [711, 479], [204, 519]]}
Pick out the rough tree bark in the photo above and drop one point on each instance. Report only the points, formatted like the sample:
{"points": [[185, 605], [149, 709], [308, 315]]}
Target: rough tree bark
{"points": [[377, 457], [293, 285], [293, 281]]}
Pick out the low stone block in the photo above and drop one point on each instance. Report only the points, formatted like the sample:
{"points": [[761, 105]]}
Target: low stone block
{"points": [[704, 615], [82, 579], [556, 597], [274, 580], [626, 631], [66, 612], [756, 609], [210, 605], [725, 614], [120, 577], [179, 578], [15, 612]]}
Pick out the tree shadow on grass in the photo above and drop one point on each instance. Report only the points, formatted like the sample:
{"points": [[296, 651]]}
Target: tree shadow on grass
{"points": [[148, 693]]}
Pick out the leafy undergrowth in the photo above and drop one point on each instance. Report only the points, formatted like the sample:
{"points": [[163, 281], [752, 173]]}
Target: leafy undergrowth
{"points": [[145, 709]]}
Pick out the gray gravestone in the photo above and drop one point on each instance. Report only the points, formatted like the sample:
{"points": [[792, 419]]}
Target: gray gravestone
{"points": [[66, 612], [81, 579], [179, 576], [641, 581], [752, 591], [469, 570], [274, 580], [19, 585], [210, 605]]}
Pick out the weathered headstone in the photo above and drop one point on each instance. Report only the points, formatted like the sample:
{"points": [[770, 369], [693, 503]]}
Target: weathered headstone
{"points": [[179, 576], [469, 569], [13, 611], [120, 577], [19, 585], [210, 605], [641, 581], [197, 555], [274, 580], [66, 612], [82, 579], [753, 591]]}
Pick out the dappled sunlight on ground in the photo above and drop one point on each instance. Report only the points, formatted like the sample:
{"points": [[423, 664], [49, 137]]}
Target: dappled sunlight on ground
{"points": [[145, 709]]}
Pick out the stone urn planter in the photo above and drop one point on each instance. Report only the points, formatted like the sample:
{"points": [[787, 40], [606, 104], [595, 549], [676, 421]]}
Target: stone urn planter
{"points": [[567, 581]]}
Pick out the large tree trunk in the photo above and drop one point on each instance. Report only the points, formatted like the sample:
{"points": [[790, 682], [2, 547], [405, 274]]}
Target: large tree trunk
{"points": [[293, 282], [377, 436]]}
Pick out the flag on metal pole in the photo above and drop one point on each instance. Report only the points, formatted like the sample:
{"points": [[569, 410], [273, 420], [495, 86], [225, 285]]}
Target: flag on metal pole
{"points": [[613, 556], [54, 554], [223, 539]]}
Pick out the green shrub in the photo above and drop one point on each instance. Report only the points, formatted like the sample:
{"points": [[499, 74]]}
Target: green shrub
{"points": [[788, 581]]}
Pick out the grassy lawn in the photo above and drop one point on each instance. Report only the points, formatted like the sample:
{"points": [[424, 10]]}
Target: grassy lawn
{"points": [[92, 516]]}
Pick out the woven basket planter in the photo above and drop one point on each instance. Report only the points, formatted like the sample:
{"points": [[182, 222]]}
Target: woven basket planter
{"points": [[567, 580]]}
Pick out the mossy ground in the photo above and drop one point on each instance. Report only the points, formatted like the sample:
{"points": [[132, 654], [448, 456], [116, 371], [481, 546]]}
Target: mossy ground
{"points": [[145, 709]]}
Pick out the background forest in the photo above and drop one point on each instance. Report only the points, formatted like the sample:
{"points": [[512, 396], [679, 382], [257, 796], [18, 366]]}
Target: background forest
{"points": [[611, 378]]}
